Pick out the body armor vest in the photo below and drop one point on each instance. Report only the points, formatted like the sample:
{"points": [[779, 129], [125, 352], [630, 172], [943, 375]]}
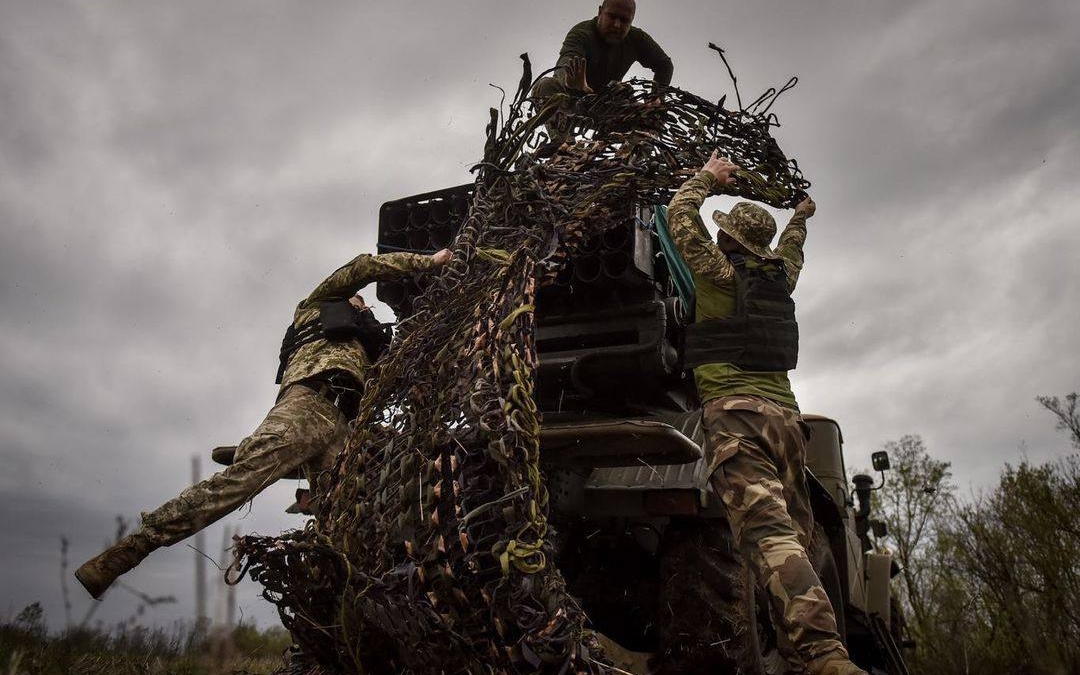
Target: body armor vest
{"points": [[762, 335], [337, 322]]}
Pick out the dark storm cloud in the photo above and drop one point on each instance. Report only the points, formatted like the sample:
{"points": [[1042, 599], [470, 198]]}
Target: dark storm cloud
{"points": [[174, 177], [941, 96]]}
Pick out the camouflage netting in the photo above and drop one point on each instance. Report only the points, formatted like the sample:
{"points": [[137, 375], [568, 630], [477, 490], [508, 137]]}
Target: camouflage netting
{"points": [[432, 553]]}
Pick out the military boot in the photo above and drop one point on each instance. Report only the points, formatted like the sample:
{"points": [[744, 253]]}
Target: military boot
{"points": [[99, 572]]}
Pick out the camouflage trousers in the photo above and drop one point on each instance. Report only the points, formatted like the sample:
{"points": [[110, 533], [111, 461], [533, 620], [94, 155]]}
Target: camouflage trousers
{"points": [[757, 454], [557, 125], [303, 430]]}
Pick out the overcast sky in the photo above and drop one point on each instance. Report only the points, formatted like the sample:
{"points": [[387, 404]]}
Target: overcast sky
{"points": [[175, 176]]}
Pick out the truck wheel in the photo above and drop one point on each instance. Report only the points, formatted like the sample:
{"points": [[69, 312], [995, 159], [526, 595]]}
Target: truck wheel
{"points": [[707, 612], [821, 557], [769, 639], [712, 617]]}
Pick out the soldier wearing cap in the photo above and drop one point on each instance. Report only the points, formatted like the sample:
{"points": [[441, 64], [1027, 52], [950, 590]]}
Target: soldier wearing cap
{"points": [[327, 350], [743, 342]]}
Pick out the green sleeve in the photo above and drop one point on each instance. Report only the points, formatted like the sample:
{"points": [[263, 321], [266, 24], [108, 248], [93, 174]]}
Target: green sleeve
{"points": [[362, 270], [790, 247], [695, 245], [652, 56], [576, 43]]}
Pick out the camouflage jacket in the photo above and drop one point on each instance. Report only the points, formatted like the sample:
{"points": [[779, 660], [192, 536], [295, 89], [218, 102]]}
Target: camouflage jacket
{"points": [[322, 356], [714, 279]]}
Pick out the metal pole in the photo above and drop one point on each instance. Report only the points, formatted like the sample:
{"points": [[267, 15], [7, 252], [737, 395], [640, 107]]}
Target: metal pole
{"points": [[200, 561]]}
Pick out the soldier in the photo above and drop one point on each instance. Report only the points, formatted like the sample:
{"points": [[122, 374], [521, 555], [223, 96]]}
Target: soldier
{"points": [[743, 342], [327, 348], [599, 51]]}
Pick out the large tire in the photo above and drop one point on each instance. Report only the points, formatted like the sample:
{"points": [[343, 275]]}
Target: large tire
{"points": [[821, 557], [712, 618], [772, 643], [707, 613]]}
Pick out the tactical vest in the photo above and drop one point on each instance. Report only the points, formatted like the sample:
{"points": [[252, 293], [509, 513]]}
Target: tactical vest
{"points": [[337, 322], [762, 335]]}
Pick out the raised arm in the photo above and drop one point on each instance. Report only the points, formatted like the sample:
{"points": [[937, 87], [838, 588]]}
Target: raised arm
{"points": [[653, 57], [688, 231], [571, 63], [366, 268], [790, 244]]}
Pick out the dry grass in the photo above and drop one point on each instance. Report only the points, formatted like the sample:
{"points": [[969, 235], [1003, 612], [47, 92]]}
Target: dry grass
{"points": [[26, 648]]}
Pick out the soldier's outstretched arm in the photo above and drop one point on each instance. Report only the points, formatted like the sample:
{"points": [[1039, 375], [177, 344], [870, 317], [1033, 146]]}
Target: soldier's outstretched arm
{"points": [[366, 268], [574, 47], [576, 77], [792, 239], [656, 59], [688, 231]]}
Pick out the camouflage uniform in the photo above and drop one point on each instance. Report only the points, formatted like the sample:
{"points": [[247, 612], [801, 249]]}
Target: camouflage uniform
{"points": [[304, 429], [755, 439]]}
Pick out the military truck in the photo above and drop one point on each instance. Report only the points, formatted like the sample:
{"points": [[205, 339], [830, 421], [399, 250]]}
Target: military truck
{"points": [[621, 450]]}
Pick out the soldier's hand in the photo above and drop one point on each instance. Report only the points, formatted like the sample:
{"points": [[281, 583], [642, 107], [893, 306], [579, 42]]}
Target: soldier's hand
{"points": [[442, 257], [575, 75], [806, 208], [721, 168]]}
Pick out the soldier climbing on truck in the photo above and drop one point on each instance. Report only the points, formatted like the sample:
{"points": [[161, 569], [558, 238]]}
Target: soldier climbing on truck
{"points": [[743, 342], [324, 358]]}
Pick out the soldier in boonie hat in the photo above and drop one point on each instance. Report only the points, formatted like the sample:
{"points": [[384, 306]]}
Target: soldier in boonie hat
{"points": [[742, 344], [750, 226]]}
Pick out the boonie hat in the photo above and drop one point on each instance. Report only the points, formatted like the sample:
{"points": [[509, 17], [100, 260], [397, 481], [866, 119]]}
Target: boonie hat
{"points": [[750, 225]]}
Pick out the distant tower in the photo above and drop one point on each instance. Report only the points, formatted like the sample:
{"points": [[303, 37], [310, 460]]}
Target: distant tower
{"points": [[230, 589], [200, 561], [225, 594]]}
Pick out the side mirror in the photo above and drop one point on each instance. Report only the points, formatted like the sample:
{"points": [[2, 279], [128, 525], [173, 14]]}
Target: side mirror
{"points": [[864, 484], [880, 460]]}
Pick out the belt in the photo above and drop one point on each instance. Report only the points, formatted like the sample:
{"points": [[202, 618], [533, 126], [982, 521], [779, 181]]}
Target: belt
{"points": [[339, 388]]}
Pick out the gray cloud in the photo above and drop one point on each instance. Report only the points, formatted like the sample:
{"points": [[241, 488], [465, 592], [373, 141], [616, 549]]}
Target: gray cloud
{"points": [[175, 177]]}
